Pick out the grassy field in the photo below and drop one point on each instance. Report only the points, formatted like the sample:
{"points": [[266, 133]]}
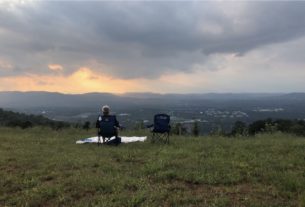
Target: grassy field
{"points": [[46, 168]]}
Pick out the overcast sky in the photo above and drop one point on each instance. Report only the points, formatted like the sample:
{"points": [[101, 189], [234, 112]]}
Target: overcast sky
{"points": [[180, 47]]}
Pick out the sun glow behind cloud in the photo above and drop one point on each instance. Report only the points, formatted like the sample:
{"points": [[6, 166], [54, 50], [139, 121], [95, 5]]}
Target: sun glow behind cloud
{"points": [[86, 80], [81, 81]]}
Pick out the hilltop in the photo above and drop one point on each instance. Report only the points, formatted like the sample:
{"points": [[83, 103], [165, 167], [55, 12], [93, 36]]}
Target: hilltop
{"points": [[41, 167], [15, 119]]}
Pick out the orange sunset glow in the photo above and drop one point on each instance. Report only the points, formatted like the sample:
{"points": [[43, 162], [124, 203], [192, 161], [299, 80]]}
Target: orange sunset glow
{"points": [[81, 81]]}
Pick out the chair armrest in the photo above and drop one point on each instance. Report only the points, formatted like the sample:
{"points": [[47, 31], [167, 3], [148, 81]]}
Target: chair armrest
{"points": [[149, 126]]}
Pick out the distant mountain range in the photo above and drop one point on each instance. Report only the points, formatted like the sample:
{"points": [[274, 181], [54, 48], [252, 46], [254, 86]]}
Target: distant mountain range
{"points": [[210, 109], [17, 99]]}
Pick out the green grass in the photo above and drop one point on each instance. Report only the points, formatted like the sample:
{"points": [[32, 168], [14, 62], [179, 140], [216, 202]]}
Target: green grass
{"points": [[41, 167]]}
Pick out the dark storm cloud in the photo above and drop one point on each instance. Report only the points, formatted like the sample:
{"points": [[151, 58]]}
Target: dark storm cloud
{"points": [[140, 39]]}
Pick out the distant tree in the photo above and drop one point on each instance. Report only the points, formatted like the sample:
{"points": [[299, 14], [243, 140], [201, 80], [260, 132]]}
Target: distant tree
{"points": [[26, 124], [86, 125], [13, 123], [77, 125], [195, 129], [218, 131], [271, 127], [239, 128], [139, 125], [298, 128], [58, 125], [284, 125], [257, 126], [177, 129]]}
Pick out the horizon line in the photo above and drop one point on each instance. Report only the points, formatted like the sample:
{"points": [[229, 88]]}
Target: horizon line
{"points": [[147, 92]]}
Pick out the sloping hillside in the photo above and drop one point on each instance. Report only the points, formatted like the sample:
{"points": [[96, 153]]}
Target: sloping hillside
{"points": [[14, 119]]}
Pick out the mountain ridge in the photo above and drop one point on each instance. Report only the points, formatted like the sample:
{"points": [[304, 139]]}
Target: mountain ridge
{"points": [[19, 99]]}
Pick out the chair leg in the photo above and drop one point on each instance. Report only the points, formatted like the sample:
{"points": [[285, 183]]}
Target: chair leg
{"points": [[153, 138], [162, 138]]}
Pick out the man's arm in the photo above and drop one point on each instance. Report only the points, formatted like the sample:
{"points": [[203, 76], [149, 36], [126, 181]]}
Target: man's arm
{"points": [[97, 124], [116, 122]]}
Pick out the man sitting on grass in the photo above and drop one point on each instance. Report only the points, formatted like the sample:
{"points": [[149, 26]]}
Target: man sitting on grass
{"points": [[107, 126]]}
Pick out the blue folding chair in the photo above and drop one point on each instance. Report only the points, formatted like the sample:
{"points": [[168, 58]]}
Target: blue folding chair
{"points": [[161, 128], [107, 129]]}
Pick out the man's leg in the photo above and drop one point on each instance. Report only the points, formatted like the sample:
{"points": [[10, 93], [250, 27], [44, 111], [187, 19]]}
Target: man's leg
{"points": [[117, 138], [98, 137], [98, 140]]}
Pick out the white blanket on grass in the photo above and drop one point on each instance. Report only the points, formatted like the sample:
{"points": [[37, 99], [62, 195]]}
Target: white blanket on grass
{"points": [[123, 139]]}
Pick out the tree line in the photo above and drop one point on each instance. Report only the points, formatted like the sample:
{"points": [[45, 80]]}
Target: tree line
{"points": [[15, 119], [295, 126], [240, 128]]}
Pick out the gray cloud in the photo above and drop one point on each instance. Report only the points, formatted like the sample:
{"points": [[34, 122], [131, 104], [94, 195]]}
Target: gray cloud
{"points": [[140, 39]]}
